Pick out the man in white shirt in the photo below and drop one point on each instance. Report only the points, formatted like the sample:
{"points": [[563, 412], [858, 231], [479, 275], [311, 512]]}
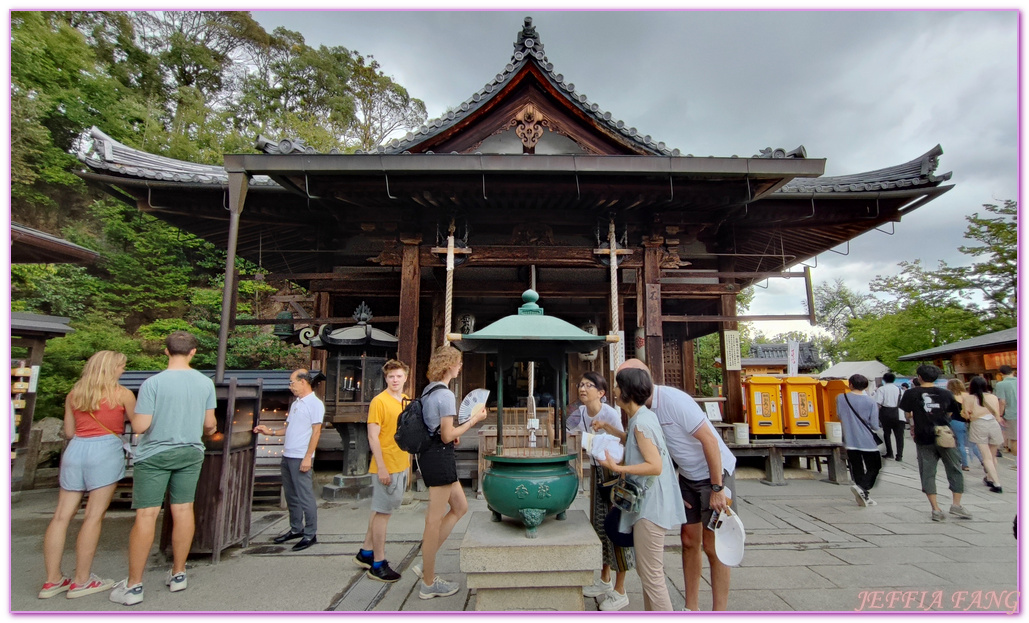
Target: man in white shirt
{"points": [[888, 397], [302, 429], [706, 466]]}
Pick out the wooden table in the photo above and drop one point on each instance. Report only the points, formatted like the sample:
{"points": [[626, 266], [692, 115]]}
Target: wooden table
{"points": [[776, 451]]}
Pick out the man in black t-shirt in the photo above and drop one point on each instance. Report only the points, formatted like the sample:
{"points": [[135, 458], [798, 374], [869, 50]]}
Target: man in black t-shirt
{"points": [[926, 407]]}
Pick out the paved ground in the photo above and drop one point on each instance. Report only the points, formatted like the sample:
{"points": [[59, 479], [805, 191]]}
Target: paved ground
{"points": [[809, 548]]}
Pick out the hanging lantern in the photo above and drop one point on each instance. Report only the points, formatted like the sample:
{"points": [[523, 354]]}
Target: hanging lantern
{"points": [[466, 323], [591, 328]]}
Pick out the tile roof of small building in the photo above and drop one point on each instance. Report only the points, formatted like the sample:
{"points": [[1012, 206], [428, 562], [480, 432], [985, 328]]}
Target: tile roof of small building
{"points": [[1006, 337]]}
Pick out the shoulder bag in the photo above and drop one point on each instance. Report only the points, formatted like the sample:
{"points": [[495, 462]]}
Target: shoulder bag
{"points": [[880, 446], [125, 446]]}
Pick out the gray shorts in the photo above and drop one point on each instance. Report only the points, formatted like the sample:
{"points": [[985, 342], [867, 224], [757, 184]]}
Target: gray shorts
{"points": [[385, 499], [90, 463]]}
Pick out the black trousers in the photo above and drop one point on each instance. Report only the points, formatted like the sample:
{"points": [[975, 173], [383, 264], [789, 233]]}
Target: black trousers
{"points": [[864, 467], [889, 419]]}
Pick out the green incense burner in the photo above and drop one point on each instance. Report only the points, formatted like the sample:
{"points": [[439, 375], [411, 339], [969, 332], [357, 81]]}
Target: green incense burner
{"points": [[529, 489]]}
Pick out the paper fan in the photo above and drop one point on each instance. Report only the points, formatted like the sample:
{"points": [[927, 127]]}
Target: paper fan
{"points": [[474, 398]]}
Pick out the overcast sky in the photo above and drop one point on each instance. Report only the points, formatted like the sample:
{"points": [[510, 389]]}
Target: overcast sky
{"points": [[863, 89]]}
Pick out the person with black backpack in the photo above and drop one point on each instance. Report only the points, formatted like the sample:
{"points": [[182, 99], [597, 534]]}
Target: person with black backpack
{"points": [[438, 466]]}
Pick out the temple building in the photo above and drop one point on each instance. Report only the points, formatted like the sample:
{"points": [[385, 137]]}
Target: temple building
{"points": [[532, 184]]}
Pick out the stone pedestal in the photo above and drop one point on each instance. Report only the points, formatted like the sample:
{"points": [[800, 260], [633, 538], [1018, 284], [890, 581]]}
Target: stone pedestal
{"points": [[348, 487], [511, 572]]}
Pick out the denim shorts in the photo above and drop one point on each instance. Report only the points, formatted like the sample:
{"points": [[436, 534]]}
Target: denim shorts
{"points": [[92, 462], [176, 470]]}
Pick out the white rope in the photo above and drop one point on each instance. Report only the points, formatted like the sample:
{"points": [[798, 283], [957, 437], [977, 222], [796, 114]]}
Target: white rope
{"points": [[448, 314], [614, 288], [532, 364]]}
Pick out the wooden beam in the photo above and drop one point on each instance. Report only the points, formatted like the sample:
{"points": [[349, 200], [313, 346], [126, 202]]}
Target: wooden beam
{"points": [[652, 305], [724, 318], [516, 256], [410, 297], [347, 320]]}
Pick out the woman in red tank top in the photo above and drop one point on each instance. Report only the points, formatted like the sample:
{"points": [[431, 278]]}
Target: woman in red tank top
{"points": [[94, 419]]}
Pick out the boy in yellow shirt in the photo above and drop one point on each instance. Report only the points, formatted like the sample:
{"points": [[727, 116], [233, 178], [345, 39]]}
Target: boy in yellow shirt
{"points": [[390, 465]]}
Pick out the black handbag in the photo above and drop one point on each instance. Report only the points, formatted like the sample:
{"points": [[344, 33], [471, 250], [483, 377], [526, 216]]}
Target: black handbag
{"points": [[611, 521]]}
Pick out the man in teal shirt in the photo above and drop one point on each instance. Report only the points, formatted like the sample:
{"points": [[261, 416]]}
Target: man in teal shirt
{"points": [[174, 409], [1007, 391]]}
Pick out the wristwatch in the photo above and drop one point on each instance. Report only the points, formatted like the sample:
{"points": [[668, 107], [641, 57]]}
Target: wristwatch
{"points": [[717, 488]]}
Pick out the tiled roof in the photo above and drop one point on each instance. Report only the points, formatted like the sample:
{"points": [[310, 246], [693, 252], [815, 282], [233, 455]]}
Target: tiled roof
{"points": [[1007, 337], [917, 172], [31, 246], [103, 153], [23, 323], [271, 380], [527, 49]]}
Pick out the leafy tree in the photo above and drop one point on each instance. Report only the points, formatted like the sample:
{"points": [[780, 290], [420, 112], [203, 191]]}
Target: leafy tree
{"points": [[996, 278], [382, 106]]}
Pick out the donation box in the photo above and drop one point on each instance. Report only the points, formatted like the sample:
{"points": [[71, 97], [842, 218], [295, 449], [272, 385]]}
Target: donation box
{"points": [[800, 406], [764, 405]]}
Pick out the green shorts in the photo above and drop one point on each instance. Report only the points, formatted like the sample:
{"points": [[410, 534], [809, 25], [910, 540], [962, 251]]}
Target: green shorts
{"points": [[176, 470]]}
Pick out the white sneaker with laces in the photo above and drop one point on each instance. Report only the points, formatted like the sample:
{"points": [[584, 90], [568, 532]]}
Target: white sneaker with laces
{"points": [[858, 495], [439, 588], [614, 601], [599, 587], [94, 585]]}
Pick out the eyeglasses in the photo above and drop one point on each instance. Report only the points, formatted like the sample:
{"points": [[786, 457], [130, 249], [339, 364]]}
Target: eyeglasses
{"points": [[586, 385]]}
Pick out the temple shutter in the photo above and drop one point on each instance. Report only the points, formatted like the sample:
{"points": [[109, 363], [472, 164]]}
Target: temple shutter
{"points": [[672, 355]]}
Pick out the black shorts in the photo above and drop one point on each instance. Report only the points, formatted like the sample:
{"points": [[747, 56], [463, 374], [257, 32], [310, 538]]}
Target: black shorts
{"points": [[697, 493], [438, 464]]}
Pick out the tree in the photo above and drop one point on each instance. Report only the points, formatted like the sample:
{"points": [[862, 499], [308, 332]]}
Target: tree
{"points": [[835, 306], [382, 106], [995, 279]]}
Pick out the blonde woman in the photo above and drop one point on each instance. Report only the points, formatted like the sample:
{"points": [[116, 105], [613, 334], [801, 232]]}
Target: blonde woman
{"points": [[93, 462], [981, 408], [438, 466]]}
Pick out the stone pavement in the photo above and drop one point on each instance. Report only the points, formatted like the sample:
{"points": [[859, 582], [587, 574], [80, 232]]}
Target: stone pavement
{"points": [[809, 548]]}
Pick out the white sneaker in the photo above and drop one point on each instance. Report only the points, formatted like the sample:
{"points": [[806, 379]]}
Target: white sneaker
{"points": [[176, 582], [94, 585], [614, 601], [600, 587], [127, 595], [858, 495], [417, 569]]}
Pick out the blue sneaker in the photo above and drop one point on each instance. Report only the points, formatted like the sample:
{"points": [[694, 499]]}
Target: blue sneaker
{"points": [[127, 595]]}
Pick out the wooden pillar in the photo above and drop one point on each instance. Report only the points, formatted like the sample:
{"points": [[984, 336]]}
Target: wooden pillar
{"points": [[689, 368], [320, 356], [732, 387], [238, 185], [652, 305], [410, 294]]}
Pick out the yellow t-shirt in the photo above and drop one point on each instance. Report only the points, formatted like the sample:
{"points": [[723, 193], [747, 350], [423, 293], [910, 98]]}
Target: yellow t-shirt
{"points": [[384, 411]]}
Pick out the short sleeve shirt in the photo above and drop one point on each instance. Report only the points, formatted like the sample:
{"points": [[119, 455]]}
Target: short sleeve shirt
{"points": [[662, 500], [304, 414], [384, 411], [178, 401], [438, 405], [607, 414], [1007, 390], [680, 417], [930, 407]]}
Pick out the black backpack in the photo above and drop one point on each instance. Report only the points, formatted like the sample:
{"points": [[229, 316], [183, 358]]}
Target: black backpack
{"points": [[412, 436]]}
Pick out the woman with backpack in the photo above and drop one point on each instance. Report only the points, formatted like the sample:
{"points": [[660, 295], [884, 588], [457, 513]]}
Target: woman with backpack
{"points": [[438, 466]]}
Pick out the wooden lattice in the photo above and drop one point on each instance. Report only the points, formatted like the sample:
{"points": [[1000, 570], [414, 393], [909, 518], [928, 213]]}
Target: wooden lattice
{"points": [[672, 355]]}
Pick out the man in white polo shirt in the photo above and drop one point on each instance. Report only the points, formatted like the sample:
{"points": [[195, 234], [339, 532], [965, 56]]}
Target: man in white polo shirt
{"points": [[706, 467], [302, 429]]}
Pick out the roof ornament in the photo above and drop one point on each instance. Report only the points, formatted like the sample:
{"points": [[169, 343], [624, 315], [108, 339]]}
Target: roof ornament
{"points": [[363, 314], [286, 146], [780, 152]]}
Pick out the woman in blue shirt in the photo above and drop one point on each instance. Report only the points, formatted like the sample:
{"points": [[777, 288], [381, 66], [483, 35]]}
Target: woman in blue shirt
{"points": [[648, 465]]}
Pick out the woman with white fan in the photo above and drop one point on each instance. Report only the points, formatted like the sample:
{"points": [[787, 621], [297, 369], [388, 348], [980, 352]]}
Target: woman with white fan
{"points": [[592, 390]]}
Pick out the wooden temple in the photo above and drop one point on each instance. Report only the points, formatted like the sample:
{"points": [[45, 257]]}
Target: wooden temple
{"points": [[529, 180]]}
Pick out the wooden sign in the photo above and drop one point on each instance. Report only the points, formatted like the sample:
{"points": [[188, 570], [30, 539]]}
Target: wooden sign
{"points": [[733, 359], [994, 361]]}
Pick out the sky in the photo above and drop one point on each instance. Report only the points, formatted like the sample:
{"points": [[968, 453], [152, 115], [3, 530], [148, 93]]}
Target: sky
{"points": [[863, 89]]}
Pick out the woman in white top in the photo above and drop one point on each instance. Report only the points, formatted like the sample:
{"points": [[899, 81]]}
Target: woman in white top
{"points": [[592, 390], [648, 465], [981, 408]]}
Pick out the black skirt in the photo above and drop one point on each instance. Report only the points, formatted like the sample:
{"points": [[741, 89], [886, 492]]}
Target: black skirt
{"points": [[438, 464]]}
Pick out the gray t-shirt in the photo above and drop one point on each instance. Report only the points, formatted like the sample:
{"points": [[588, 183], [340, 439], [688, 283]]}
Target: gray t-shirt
{"points": [[438, 405], [178, 401]]}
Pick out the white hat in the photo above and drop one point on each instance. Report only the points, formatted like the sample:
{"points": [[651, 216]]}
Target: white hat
{"points": [[730, 536]]}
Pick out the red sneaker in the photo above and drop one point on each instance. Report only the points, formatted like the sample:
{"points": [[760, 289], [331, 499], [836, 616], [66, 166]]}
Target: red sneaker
{"points": [[51, 589]]}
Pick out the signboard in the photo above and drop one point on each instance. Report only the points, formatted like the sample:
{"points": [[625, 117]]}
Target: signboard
{"points": [[792, 357], [994, 361], [733, 359], [713, 412]]}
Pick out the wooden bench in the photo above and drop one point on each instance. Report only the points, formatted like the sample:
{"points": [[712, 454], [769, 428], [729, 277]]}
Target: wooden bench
{"points": [[776, 451]]}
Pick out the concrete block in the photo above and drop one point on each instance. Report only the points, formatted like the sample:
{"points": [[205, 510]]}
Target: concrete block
{"points": [[501, 547], [348, 487], [559, 599], [523, 579]]}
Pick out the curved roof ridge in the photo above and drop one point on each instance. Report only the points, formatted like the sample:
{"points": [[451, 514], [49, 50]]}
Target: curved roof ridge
{"points": [[100, 151], [917, 172], [527, 48]]}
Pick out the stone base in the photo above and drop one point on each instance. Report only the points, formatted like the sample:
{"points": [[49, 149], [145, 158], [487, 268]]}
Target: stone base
{"points": [[348, 487], [511, 572]]}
